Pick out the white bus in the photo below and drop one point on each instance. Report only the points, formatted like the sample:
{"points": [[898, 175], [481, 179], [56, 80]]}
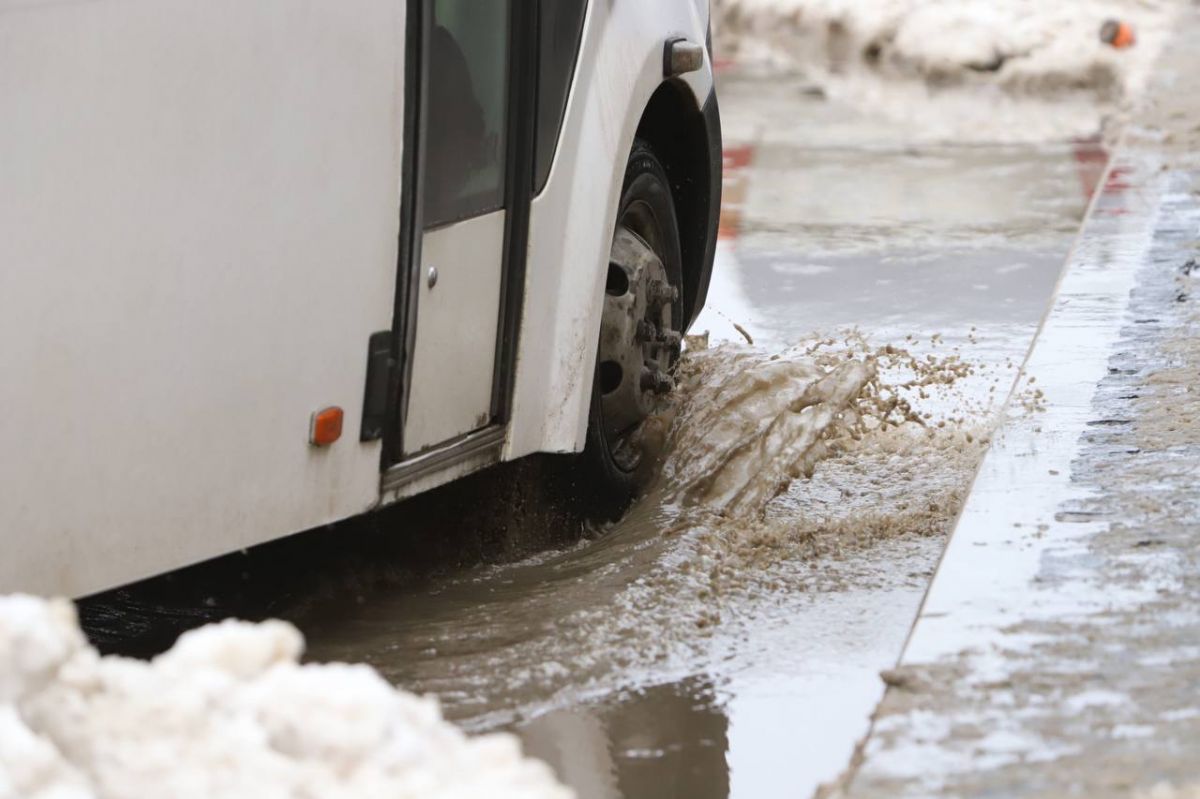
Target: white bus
{"points": [[269, 264]]}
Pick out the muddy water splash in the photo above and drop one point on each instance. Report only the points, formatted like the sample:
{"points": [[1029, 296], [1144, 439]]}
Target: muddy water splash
{"points": [[778, 467], [748, 424], [752, 425]]}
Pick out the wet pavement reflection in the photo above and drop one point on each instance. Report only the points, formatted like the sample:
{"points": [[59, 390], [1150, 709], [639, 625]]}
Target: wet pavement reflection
{"points": [[583, 651], [666, 740]]}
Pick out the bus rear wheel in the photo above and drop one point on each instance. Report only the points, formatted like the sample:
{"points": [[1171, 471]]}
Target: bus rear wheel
{"points": [[640, 334]]}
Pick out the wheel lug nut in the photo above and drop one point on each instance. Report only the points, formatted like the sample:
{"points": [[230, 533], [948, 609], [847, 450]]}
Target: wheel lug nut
{"points": [[660, 293], [646, 331], [657, 381], [669, 339]]}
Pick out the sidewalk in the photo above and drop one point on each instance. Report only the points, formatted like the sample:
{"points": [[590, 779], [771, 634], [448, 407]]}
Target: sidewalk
{"points": [[1058, 650]]}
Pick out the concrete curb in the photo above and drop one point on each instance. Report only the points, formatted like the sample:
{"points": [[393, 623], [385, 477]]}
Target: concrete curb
{"points": [[1045, 658]]}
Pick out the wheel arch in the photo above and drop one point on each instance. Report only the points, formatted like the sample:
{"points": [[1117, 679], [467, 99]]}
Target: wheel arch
{"points": [[687, 140]]}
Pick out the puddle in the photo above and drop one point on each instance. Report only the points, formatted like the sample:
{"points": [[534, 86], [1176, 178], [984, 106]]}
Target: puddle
{"points": [[731, 630]]}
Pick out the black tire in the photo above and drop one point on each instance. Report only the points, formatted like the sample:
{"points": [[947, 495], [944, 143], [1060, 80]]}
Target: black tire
{"points": [[648, 209]]}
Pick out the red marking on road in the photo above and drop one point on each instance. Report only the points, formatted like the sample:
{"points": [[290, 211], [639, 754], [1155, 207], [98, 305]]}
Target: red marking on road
{"points": [[1092, 159], [738, 157], [1118, 179], [736, 161]]}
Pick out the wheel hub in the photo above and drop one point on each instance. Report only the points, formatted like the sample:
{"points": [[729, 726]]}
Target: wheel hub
{"points": [[637, 342]]}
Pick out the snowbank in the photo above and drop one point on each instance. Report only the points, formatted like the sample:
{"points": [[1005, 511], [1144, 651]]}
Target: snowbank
{"points": [[228, 712], [974, 69]]}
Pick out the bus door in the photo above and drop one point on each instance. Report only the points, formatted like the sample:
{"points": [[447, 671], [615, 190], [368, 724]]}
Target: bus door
{"points": [[467, 204]]}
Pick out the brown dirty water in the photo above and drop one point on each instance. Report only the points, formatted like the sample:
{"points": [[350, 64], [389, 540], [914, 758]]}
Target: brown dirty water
{"points": [[725, 639]]}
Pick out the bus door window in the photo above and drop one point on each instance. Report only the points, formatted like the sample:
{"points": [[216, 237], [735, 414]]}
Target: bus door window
{"points": [[467, 110]]}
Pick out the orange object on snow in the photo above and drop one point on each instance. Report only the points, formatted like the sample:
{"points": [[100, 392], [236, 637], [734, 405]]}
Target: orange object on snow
{"points": [[1118, 34]]}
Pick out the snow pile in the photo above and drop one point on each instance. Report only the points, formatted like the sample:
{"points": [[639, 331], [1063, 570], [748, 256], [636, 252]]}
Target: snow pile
{"points": [[974, 69], [228, 712]]}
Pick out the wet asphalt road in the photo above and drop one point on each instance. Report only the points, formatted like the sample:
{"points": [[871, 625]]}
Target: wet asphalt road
{"points": [[832, 221]]}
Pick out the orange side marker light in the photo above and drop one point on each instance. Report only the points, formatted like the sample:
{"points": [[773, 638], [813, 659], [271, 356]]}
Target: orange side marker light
{"points": [[1118, 34], [325, 427]]}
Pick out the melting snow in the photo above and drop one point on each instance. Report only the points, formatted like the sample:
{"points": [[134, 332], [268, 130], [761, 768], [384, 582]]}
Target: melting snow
{"points": [[229, 711]]}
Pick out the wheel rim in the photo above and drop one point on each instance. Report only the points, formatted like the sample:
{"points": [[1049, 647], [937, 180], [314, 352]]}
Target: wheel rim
{"points": [[638, 340]]}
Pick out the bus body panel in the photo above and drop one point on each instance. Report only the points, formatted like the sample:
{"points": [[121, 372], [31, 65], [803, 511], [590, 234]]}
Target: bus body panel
{"points": [[197, 237]]}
